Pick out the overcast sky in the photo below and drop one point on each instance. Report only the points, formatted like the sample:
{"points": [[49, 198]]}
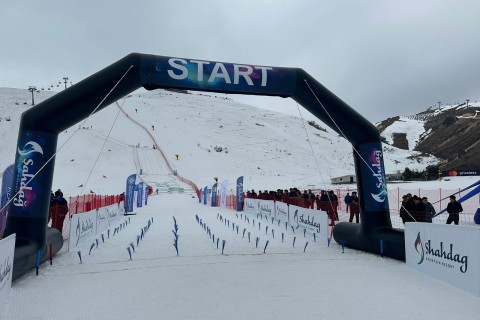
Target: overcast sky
{"points": [[383, 58]]}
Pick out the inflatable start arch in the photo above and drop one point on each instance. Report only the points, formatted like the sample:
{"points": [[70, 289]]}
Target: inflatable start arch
{"points": [[40, 126]]}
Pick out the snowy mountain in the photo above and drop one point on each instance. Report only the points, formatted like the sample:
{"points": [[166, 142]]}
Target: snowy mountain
{"points": [[212, 135], [450, 133]]}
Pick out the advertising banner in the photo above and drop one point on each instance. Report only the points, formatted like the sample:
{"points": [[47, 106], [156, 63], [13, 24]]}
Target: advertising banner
{"points": [[266, 208], [129, 192], [31, 196], [223, 194], [240, 193], [82, 227], [374, 180], [251, 206], [209, 195], [314, 221], [101, 220], [6, 194], [214, 195], [281, 211], [200, 199], [205, 195], [140, 194], [7, 248], [448, 253]]}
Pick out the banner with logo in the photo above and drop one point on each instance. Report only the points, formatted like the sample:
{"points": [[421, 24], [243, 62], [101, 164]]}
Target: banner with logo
{"points": [[101, 220], [6, 194], [223, 194], [446, 252], [251, 206], [240, 193], [82, 227], [200, 199], [266, 208], [7, 249], [113, 213], [373, 177], [314, 221], [205, 195], [209, 195], [140, 194], [281, 211], [129, 192], [214, 195]]}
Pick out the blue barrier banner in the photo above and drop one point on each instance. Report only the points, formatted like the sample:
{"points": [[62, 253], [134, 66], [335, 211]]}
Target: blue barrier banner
{"points": [[129, 192], [240, 193], [6, 195], [373, 177], [214, 195], [140, 190]]}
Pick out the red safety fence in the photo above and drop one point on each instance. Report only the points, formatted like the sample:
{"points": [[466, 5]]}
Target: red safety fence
{"points": [[88, 202]]}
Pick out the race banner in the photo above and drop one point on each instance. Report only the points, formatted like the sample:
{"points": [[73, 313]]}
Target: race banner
{"points": [[7, 248], [266, 208], [281, 211], [129, 192], [6, 194], [209, 195], [446, 252], [240, 193], [314, 221], [205, 195], [214, 195], [223, 194], [251, 206], [82, 227], [101, 220], [140, 190], [200, 199]]}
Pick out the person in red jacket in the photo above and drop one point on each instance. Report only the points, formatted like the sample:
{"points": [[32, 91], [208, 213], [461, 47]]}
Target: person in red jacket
{"points": [[58, 210]]}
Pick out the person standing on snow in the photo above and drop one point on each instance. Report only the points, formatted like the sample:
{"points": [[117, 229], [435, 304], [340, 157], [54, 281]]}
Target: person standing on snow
{"points": [[453, 209], [58, 210]]}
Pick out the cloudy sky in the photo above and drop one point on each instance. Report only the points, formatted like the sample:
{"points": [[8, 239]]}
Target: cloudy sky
{"points": [[382, 57]]}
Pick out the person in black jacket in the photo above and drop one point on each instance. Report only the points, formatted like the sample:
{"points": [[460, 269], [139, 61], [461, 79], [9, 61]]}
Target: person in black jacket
{"points": [[453, 209], [58, 210]]}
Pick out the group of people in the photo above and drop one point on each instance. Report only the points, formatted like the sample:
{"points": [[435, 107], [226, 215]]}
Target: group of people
{"points": [[324, 200], [416, 209], [58, 209]]}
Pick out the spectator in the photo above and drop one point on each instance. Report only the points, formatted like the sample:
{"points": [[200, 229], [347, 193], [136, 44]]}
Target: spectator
{"points": [[419, 209], [453, 209], [408, 206], [311, 199], [354, 207], [429, 210], [347, 201], [58, 210], [306, 199]]}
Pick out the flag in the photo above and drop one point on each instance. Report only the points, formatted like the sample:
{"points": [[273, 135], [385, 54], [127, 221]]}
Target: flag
{"points": [[240, 193], [92, 191]]}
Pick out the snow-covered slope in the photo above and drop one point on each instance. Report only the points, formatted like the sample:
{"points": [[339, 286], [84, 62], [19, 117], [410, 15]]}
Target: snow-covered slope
{"points": [[212, 135]]}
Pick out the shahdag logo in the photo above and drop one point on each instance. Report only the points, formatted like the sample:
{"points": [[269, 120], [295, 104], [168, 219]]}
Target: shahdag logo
{"points": [[26, 175], [418, 244], [377, 169], [441, 255], [30, 147]]}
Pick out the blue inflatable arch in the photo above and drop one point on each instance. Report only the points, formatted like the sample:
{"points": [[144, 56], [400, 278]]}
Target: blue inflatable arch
{"points": [[40, 126]]}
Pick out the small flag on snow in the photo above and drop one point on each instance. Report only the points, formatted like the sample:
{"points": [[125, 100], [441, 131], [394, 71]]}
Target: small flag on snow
{"points": [[80, 186], [92, 191], [104, 176]]}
